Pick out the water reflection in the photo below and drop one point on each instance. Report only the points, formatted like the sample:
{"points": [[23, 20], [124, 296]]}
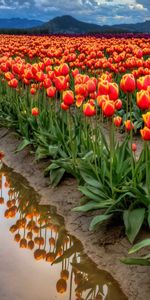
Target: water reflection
{"points": [[41, 230]]}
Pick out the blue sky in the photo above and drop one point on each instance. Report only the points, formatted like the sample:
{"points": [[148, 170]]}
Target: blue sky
{"points": [[93, 11]]}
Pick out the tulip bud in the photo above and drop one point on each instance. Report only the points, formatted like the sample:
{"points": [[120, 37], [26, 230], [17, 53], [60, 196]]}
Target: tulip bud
{"points": [[35, 111], [128, 125], [117, 121]]}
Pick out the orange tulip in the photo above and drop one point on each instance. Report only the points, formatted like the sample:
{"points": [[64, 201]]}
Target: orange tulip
{"points": [[89, 110], [145, 133], [68, 97], [117, 121], [143, 100], [35, 111], [108, 108], [127, 83], [128, 125]]}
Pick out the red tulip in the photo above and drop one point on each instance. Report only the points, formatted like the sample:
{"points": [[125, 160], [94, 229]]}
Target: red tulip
{"points": [[145, 133], [128, 125], [127, 83], [108, 108], [68, 97], [117, 121], [35, 111], [89, 110], [143, 100]]}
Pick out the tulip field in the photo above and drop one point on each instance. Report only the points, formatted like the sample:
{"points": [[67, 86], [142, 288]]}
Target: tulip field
{"points": [[82, 102]]}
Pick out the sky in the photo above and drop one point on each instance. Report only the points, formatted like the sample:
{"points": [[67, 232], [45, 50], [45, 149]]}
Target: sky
{"points": [[93, 11]]}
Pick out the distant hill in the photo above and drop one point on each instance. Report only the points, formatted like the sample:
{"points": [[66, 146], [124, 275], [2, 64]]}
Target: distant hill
{"points": [[68, 24], [18, 23]]}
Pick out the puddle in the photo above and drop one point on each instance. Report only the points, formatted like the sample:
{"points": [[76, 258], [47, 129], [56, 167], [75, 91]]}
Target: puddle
{"points": [[39, 260]]}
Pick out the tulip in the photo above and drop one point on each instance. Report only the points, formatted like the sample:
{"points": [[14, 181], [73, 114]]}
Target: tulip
{"points": [[143, 100], [145, 133], [128, 125], [118, 104], [134, 147], [103, 87], [127, 83], [108, 108], [64, 69], [68, 97], [113, 91], [51, 91], [89, 110], [13, 83], [35, 111], [64, 106], [117, 121], [60, 83], [146, 119]]}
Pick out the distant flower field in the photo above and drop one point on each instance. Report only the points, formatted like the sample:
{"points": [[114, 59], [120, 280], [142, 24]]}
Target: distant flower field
{"points": [[59, 93]]}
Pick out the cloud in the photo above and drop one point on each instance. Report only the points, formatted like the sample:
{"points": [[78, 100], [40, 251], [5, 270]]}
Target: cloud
{"points": [[96, 11]]}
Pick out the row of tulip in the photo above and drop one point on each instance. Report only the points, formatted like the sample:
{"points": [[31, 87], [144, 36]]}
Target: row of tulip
{"points": [[61, 103]]}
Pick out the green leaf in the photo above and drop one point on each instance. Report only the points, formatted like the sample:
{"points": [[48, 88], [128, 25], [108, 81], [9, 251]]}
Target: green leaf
{"points": [[22, 145], [56, 175], [148, 218], [133, 220], [84, 190], [139, 246], [98, 220], [92, 205], [136, 261]]}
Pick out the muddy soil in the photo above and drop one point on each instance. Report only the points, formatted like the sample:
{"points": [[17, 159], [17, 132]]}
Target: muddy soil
{"points": [[105, 246]]}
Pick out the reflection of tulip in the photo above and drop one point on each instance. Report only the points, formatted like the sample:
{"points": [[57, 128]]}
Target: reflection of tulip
{"points": [[61, 286], [13, 228], [11, 212], [1, 200], [23, 243], [51, 241], [39, 241], [39, 254], [17, 237], [64, 274], [29, 235], [30, 245], [50, 257]]}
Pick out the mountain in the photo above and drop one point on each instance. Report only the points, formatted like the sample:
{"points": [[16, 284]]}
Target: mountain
{"points": [[68, 24], [19, 23]]}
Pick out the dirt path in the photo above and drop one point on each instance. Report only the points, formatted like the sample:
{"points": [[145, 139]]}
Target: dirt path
{"points": [[105, 247]]}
